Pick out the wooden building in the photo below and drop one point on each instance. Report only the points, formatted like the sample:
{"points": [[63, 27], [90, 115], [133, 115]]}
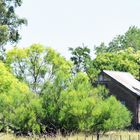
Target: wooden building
{"points": [[126, 89]]}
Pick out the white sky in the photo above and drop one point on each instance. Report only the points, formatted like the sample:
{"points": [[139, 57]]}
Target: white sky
{"points": [[69, 23]]}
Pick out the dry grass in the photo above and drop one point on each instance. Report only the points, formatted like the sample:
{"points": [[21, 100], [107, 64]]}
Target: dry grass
{"points": [[122, 135]]}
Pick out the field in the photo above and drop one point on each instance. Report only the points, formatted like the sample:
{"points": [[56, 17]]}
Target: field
{"points": [[109, 136]]}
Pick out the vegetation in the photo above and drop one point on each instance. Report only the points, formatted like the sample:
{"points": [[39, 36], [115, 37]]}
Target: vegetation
{"points": [[64, 101], [121, 54], [43, 93], [9, 24], [124, 135]]}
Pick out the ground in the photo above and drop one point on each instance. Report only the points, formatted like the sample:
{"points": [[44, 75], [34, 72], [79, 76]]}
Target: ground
{"points": [[123, 135]]}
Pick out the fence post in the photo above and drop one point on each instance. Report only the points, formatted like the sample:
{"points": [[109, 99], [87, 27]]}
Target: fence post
{"points": [[120, 137], [85, 137], [129, 137], [77, 137], [110, 137], [92, 137]]}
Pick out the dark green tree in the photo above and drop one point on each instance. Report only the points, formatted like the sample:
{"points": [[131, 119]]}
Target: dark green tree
{"points": [[81, 57], [10, 24], [130, 38]]}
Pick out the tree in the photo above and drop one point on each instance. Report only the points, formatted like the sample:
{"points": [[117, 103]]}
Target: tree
{"points": [[36, 64], [77, 103], [90, 109], [131, 38], [20, 110], [82, 61], [80, 56], [125, 60], [109, 115], [60, 77], [9, 24]]}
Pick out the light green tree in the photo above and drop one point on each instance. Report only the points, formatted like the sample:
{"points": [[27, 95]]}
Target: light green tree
{"points": [[20, 110], [125, 60], [36, 65], [89, 109]]}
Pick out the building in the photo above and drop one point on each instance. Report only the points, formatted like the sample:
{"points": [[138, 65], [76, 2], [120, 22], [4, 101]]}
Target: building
{"points": [[126, 89]]}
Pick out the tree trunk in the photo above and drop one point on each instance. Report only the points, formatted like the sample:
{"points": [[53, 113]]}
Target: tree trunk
{"points": [[98, 136]]}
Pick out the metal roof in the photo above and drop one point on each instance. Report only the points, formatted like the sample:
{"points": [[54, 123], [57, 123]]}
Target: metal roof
{"points": [[126, 79]]}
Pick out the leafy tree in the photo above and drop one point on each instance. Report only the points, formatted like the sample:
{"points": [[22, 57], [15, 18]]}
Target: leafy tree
{"points": [[125, 60], [89, 109], [35, 65], [121, 42], [109, 115], [60, 78], [20, 110], [80, 56], [100, 49], [76, 106], [77, 103], [9, 23], [82, 61]]}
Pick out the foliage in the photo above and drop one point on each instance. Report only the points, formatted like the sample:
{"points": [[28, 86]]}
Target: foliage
{"points": [[80, 57], [78, 101], [67, 101], [82, 61], [125, 60], [19, 108], [121, 42], [36, 64], [81, 107], [9, 23], [109, 115]]}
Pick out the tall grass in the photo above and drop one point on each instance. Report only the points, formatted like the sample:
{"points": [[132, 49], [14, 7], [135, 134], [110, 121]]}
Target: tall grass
{"points": [[122, 135]]}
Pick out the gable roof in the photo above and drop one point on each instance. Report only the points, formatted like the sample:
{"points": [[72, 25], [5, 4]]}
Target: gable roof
{"points": [[126, 79]]}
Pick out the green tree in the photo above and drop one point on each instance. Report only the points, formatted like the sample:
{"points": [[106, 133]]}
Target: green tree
{"points": [[125, 60], [60, 76], [109, 115], [35, 65], [131, 38], [80, 57], [82, 60], [85, 108], [77, 103], [9, 24], [20, 110]]}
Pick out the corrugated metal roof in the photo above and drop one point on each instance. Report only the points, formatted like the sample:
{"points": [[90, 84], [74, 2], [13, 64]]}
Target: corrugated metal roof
{"points": [[125, 79]]}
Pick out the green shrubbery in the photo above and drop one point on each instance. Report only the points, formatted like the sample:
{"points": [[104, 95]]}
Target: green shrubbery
{"points": [[66, 102]]}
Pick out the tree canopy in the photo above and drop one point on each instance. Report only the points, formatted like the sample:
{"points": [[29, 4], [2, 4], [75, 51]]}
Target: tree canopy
{"points": [[16, 112], [36, 65], [42, 93], [131, 38], [9, 23]]}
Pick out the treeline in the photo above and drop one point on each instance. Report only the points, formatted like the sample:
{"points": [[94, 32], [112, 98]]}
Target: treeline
{"points": [[43, 93]]}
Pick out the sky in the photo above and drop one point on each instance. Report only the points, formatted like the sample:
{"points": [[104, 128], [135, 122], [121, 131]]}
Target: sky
{"points": [[61, 24]]}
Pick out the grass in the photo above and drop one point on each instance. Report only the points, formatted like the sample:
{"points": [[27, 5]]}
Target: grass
{"points": [[122, 135]]}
